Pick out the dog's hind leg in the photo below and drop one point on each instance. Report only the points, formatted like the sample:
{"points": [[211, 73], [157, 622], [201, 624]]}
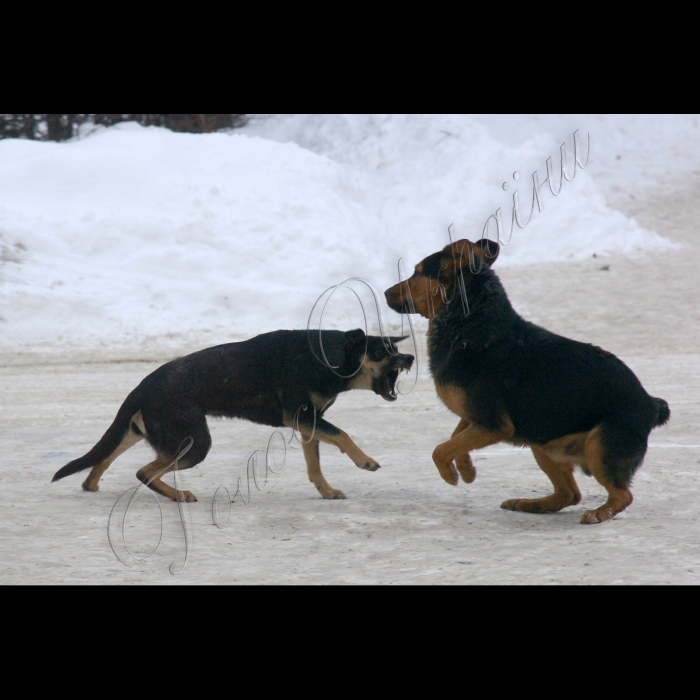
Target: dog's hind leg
{"points": [[464, 462], [611, 470], [167, 436], [130, 439], [313, 467], [561, 475], [151, 475]]}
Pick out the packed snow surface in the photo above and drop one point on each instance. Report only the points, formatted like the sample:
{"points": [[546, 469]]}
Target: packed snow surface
{"points": [[131, 233]]}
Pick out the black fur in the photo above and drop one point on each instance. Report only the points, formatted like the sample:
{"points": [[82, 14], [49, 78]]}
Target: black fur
{"points": [[107, 443], [268, 379], [549, 386]]}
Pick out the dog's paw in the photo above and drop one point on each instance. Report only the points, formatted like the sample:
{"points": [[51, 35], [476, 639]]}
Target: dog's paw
{"points": [[533, 505], [329, 493], [186, 497], [524, 505], [447, 470], [466, 469], [599, 515], [370, 465], [449, 473], [87, 486], [548, 504]]}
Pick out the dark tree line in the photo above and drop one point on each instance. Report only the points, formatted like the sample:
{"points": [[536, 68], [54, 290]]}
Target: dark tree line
{"points": [[59, 127]]}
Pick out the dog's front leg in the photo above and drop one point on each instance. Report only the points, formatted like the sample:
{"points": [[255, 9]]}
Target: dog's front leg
{"points": [[313, 467], [464, 462], [326, 432], [471, 438]]}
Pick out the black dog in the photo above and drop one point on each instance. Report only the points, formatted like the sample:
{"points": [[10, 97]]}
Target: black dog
{"points": [[283, 378], [510, 380]]}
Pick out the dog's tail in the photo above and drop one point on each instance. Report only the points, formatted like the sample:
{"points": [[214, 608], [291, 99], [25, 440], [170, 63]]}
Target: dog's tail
{"points": [[663, 412], [108, 443]]}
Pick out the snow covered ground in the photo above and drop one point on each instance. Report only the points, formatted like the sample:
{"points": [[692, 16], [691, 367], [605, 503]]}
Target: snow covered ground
{"points": [[129, 246], [130, 234]]}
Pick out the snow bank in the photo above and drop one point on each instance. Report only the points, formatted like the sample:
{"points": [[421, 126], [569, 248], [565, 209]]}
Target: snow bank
{"points": [[134, 233]]}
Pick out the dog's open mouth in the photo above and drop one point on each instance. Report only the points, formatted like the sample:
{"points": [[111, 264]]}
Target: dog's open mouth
{"points": [[385, 385]]}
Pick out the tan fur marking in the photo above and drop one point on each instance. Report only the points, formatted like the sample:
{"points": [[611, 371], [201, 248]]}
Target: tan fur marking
{"points": [[618, 499], [569, 448], [465, 252], [471, 438], [424, 292], [130, 439], [566, 491], [151, 476], [342, 441], [464, 462], [138, 419], [313, 468], [454, 398], [370, 370]]}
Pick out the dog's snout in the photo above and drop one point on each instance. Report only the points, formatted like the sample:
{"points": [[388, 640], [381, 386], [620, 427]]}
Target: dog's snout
{"points": [[394, 298], [403, 361]]}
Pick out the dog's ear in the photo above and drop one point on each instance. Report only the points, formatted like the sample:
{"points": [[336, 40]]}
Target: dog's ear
{"points": [[487, 250], [356, 337], [462, 251], [396, 339]]}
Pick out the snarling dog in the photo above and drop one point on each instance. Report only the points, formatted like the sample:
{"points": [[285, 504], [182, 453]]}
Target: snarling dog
{"points": [[283, 378], [509, 380]]}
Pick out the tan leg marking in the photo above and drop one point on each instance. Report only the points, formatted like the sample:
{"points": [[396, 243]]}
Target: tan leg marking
{"points": [[618, 499], [471, 438], [92, 483], [313, 467], [343, 442], [464, 462], [561, 475], [151, 474], [454, 398]]}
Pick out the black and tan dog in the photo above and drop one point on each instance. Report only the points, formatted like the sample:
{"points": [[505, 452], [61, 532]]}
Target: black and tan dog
{"points": [[509, 380], [283, 378]]}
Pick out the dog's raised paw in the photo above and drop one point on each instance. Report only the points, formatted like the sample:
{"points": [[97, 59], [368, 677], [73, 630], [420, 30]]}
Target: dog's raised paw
{"points": [[466, 469], [370, 465], [449, 474]]}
